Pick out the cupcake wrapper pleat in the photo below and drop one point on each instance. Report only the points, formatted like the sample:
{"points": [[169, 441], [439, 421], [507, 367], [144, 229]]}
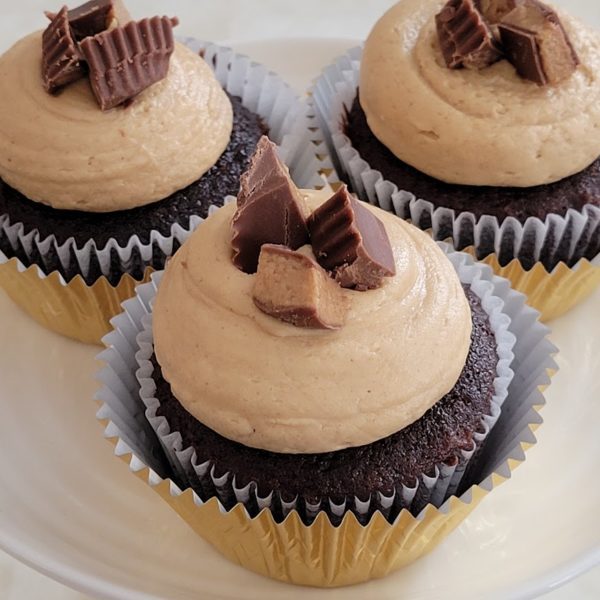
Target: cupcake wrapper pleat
{"points": [[554, 293], [556, 242], [30, 249], [73, 309], [262, 92], [346, 542]]}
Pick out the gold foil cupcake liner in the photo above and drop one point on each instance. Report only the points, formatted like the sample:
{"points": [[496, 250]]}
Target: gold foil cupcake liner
{"points": [[551, 293], [319, 555], [323, 554], [73, 309], [67, 305], [548, 245]]}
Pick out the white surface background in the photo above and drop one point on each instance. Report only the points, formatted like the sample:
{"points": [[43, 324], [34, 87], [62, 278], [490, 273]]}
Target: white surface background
{"points": [[235, 22]]}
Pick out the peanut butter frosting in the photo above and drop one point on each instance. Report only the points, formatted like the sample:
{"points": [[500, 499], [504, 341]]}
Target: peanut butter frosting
{"points": [[65, 152], [270, 385], [477, 127]]}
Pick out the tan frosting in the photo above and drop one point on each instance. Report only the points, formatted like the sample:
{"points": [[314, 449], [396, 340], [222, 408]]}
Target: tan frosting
{"points": [[64, 151], [271, 385], [487, 127]]}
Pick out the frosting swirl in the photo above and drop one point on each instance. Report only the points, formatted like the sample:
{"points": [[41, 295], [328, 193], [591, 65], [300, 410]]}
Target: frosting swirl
{"points": [[269, 385], [63, 151], [487, 127]]}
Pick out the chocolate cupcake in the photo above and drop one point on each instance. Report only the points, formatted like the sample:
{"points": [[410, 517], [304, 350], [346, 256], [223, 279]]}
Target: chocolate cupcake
{"points": [[321, 370], [487, 144], [100, 184]]}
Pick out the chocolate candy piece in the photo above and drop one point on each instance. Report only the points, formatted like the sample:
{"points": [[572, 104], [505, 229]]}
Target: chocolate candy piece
{"points": [[494, 11], [351, 241], [465, 38], [123, 62], [270, 209], [292, 287], [536, 43], [90, 18], [61, 58]]}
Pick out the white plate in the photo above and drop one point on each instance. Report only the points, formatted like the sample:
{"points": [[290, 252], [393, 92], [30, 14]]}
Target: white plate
{"points": [[73, 511]]}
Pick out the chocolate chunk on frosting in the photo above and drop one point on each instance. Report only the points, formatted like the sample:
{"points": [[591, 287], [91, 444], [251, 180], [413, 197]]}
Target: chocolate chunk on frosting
{"points": [[292, 287], [90, 18], [351, 241], [465, 38], [536, 43], [270, 209], [61, 57], [123, 62]]}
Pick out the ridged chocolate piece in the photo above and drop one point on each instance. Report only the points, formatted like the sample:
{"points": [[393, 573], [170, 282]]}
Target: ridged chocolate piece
{"points": [[349, 240], [465, 38], [293, 288], [123, 62], [494, 11], [270, 209], [537, 44], [90, 18], [61, 58]]}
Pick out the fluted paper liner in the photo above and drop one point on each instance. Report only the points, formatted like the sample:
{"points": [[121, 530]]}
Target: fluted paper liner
{"points": [[537, 245], [324, 554], [72, 308], [551, 293]]}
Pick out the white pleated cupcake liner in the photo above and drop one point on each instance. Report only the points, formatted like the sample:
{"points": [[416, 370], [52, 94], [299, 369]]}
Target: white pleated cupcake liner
{"points": [[130, 405], [262, 92], [557, 239]]}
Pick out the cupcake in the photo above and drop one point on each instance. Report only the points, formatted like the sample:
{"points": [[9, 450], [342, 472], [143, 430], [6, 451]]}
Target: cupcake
{"points": [[105, 170], [478, 120], [317, 379]]}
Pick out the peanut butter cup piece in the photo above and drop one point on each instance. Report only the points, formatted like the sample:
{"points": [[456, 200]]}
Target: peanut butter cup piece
{"points": [[61, 58], [349, 240], [270, 209], [465, 38], [292, 287], [537, 44], [90, 18], [124, 61]]}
